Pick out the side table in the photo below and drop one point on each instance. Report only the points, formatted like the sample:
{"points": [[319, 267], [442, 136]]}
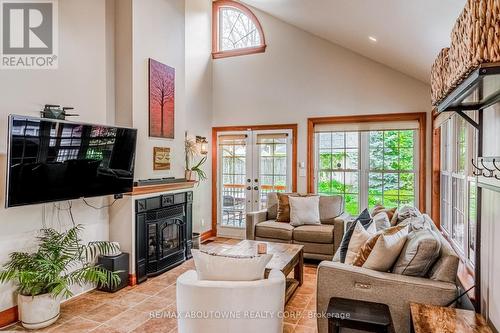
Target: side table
{"points": [[437, 319]]}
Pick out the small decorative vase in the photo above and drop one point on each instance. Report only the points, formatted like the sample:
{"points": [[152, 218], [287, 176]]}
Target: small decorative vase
{"points": [[39, 311]]}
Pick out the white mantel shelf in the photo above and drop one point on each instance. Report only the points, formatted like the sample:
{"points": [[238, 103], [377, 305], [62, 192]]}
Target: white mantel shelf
{"points": [[140, 190]]}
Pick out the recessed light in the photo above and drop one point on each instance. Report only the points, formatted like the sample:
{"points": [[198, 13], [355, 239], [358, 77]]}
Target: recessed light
{"points": [[373, 39]]}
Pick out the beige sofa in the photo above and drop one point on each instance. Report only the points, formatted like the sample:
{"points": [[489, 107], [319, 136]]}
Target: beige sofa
{"points": [[320, 241], [398, 291]]}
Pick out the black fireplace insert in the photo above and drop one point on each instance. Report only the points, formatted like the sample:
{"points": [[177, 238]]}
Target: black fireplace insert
{"points": [[163, 233]]}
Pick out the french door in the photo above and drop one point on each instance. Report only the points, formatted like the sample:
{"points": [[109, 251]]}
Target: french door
{"points": [[250, 165]]}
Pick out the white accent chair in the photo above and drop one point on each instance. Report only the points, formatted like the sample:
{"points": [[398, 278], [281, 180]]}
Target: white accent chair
{"points": [[255, 306]]}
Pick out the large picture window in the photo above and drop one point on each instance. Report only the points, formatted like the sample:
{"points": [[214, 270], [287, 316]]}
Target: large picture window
{"points": [[458, 185], [368, 167]]}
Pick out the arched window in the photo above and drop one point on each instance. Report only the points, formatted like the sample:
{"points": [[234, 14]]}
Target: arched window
{"points": [[235, 30]]}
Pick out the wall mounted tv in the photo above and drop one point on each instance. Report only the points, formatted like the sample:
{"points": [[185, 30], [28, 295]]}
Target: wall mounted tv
{"points": [[52, 160]]}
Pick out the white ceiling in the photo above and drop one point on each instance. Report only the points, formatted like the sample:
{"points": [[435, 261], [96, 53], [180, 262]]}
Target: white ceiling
{"points": [[409, 33]]}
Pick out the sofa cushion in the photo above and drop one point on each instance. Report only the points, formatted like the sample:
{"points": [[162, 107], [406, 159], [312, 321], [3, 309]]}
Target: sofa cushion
{"points": [[304, 210], [365, 219], [212, 267], [389, 211], [359, 237], [386, 251], [283, 214], [367, 248], [419, 253], [272, 205], [404, 213], [446, 267], [381, 221], [330, 207], [316, 248], [320, 233], [273, 229]]}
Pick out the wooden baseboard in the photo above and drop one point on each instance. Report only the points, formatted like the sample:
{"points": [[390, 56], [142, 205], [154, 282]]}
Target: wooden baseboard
{"points": [[206, 235], [8, 317], [132, 280]]}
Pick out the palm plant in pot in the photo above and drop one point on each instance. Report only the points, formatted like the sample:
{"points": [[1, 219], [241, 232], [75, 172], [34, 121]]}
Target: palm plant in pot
{"points": [[194, 172], [44, 277]]}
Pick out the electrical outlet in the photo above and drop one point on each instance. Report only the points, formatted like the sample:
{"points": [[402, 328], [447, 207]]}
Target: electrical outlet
{"points": [[202, 222]]}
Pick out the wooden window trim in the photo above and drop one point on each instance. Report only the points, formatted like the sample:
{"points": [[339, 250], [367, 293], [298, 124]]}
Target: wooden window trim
{"points": [[216, 130], [216, 53], [421, 117]]}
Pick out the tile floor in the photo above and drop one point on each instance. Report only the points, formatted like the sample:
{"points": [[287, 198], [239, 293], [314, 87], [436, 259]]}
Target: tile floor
{"points": [[129, 310]]}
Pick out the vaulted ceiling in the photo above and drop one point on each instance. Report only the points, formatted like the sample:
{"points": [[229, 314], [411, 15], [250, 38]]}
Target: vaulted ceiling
{"points": [[408, 33]]}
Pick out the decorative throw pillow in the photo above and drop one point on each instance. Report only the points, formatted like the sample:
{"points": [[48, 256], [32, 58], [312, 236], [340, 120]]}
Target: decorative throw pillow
{"points": [[367, 248], [359, 236], [379, 208], [419, 253], [365, 219], [304, 210], [284, 207], [417, 223], [386, 251], [404, 213], [214, 267], [381, 221]]}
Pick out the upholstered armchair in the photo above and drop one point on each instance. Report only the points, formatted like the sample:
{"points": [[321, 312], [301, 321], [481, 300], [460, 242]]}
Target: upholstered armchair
{"points": [[240, 300]]}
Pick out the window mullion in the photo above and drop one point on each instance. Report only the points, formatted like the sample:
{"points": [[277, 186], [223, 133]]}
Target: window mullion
{"points": [[364, 163]]}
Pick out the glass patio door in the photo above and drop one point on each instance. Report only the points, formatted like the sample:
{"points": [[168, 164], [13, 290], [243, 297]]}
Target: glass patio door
{"points": [[250, 165]]}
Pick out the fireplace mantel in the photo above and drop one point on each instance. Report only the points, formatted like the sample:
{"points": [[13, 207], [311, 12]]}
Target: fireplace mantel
{"points": [[161, 188]]}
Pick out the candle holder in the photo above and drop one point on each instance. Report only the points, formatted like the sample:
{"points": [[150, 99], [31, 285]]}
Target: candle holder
{"points": [[261, 248]]}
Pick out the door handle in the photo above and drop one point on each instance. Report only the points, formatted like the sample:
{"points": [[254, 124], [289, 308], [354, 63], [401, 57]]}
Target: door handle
{"points": [[249, 188], [256, 188]]}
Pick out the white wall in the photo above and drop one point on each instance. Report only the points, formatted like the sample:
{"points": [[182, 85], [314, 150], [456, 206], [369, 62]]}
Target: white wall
{"points": [[490, 230], [301, 76], [80, 81], [199, 97], [168, 30]]}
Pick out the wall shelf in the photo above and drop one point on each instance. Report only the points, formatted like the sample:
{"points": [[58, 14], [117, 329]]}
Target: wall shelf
{"points": [[148, 189], [478, 91]]}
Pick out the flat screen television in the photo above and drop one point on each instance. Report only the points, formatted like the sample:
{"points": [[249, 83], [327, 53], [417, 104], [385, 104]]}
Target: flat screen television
{"points": [[53, 160]]}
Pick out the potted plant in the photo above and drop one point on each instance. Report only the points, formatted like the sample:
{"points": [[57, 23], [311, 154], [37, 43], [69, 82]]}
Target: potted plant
{"points": [[194, 172], [44, 277]]}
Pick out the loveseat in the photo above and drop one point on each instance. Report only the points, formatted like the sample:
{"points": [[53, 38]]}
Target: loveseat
{"points": [[336, 279], [320, 241]]}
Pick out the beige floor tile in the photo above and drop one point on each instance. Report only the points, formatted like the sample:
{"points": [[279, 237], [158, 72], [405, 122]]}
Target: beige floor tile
{"points": [[288, 328], [157, 325], [104, 329], [104, 312], [79, 305], [129, 299], [128, 321], [76, 325], [154, 303], [304, 329]]}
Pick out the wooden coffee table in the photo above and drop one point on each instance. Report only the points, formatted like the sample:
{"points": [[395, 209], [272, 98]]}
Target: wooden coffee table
{"points": [[286, 257]]}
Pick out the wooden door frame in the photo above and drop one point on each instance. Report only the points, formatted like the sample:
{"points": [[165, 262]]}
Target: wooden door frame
{"points": [[421, 117], [436, 173], [216, 131]]}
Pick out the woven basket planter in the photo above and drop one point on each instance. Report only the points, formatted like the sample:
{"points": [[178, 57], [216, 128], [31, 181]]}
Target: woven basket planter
{"points": [[439, 74], [475, 39]]}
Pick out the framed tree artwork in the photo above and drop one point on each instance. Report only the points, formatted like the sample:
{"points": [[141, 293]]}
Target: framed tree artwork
{"points": [[161, 100], [161, 158]]}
